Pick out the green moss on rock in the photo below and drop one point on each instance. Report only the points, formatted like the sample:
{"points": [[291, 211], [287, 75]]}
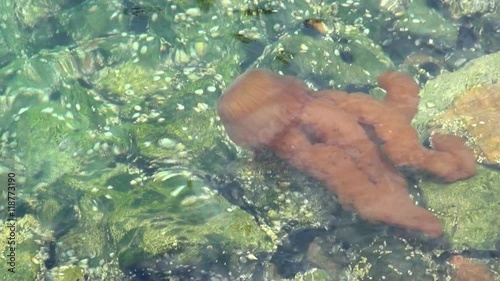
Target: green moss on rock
{"points": [[469, 209], [27, 261], [353, 59], [438, 94]]}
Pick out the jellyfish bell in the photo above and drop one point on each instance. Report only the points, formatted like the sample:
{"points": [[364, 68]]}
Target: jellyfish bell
{"points": [[261, 105]]}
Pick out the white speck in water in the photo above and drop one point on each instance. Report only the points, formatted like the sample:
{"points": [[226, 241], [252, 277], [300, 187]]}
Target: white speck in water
{"points": [[48, 110], [22, 110], [178, 190]]}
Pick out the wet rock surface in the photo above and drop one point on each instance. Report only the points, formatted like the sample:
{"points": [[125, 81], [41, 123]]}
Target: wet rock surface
{"points": [[465, 102], [475, 114]]}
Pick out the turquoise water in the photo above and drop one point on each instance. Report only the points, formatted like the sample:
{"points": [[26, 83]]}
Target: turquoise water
{"points": [[115, 166]]}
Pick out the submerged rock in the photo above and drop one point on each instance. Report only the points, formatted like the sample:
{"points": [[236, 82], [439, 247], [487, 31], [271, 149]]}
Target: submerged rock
{"points": [[450, 103], [476, 115], [465, 103], [440, 93], [30, 254], [470, 209], [347, 58], [464, 269], [426, 24], [460, 8], [164, 226]]}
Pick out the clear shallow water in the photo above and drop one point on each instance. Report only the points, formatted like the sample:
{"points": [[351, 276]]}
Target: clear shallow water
{"points": [[123, 171]]}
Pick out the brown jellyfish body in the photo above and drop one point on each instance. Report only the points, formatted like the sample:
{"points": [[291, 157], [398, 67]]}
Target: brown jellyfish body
{"points": [[336, 137], [260, 105]]}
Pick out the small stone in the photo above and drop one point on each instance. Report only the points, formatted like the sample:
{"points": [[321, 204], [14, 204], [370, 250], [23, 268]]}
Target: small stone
{"points": [[135, 46], [193, 12], [200, 48], [166, 143]]}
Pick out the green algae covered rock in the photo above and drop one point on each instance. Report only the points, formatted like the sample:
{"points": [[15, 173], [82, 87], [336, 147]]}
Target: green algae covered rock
{"points": [[10, 36], [70, 273], [31, 13], [438, 94], [423, 21], [59, 132], [171, 213], [88, 197], [374, 253], [180, 215], [158, 142], [461, 8], [28, 26], [395, 259], [350, 57], [469, 209], [312, 275], [194, 132], [39, 136], [92, 19], [286, 199], [131, 79], [46, 69], [28, 230]]}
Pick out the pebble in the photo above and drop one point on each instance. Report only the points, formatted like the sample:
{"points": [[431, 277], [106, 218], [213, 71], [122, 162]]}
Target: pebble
{"points": [[135, 46], [193, 12], [166, 143]]}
